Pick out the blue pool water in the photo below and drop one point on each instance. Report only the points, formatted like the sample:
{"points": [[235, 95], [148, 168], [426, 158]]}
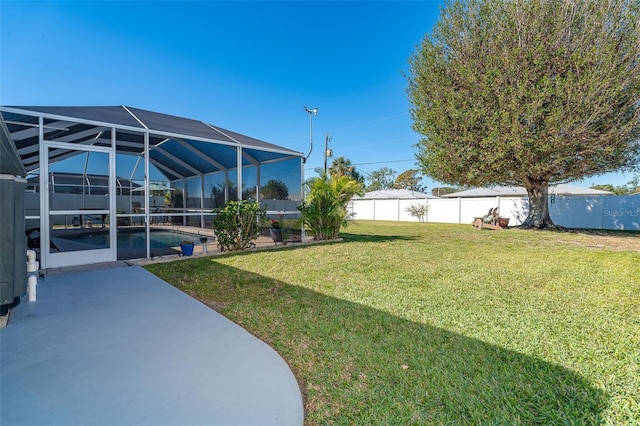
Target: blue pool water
{"points": [[136, 240]]}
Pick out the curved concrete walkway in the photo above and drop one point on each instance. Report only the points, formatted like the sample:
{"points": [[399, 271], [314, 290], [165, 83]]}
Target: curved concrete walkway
{"points": [[120, 346]]}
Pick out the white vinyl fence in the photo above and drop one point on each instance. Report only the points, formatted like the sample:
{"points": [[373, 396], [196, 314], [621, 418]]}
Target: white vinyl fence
{"points": [[586, 212]]}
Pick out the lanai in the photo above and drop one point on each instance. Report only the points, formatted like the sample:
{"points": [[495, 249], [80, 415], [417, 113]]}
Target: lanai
{"points": [[203, 165]]}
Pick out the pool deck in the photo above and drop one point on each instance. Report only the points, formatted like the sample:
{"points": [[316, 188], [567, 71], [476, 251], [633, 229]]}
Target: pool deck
{"points": [[119, 346]]}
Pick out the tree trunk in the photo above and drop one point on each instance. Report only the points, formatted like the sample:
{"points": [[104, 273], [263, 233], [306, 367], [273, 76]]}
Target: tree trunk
{"points": [[538, 217]]}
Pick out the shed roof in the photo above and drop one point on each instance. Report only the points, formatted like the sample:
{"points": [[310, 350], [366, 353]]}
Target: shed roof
{"points": [[180, 147], [394, 194], [518, 191]]}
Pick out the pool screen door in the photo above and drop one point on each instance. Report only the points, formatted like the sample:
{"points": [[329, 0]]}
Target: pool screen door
{"points": [[79, 202]]}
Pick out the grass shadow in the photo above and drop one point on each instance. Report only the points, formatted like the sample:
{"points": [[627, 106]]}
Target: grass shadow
{"points": [[380, 238], [583, 231], [360, 365], [601, 232]]}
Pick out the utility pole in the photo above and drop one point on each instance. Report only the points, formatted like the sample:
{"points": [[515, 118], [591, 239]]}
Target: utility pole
{"points": [[327, 152]]}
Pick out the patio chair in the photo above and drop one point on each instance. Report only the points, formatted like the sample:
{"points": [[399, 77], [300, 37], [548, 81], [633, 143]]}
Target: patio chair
{"points": [[491, 220]]}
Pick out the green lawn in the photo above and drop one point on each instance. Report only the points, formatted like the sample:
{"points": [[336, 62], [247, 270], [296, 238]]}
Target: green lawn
{"points": [[407, 323]]}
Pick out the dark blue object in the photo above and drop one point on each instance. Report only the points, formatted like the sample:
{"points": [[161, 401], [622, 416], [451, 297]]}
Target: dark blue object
{"points": [[187, 249]]}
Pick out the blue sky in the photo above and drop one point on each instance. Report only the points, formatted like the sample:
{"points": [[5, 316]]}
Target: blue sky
{"points": [[250, 67]]}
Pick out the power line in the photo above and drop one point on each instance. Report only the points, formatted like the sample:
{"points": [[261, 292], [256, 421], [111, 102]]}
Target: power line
{"points": [[375, 162], [351, 126], [384, 162], [370, 121], [384, 141]]}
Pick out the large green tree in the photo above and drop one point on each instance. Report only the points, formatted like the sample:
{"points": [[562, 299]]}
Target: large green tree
{"points": [[409, 179], [528, 93], [381, 179]]}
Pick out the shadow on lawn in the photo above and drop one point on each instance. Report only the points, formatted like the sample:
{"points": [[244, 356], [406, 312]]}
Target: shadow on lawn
{"points": [[361, 238], [360, 365]]}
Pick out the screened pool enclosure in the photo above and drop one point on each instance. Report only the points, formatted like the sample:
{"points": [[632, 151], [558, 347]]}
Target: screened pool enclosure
{"points": [[105, 182]]}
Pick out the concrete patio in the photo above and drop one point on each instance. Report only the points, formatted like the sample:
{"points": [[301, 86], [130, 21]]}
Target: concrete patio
{"points": [[119, 346]]}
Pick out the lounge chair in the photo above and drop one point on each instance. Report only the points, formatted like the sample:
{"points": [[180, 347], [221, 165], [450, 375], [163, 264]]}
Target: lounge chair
{"points": [[491, 220]]}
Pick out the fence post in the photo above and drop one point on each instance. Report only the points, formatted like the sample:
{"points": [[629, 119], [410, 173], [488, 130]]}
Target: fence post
{"points": [[426, 219]]}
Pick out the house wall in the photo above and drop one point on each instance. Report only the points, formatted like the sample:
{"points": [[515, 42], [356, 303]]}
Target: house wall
{"points": [[587, 212]]}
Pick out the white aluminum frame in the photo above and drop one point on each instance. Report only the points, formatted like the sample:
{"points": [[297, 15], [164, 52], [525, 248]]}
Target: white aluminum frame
{"points": [[72, 258], [48, 259]]}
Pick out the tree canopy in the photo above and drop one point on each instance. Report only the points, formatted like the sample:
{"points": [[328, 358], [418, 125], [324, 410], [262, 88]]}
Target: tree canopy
{"points": [[444, 190], [410, 180], [381, 179], [342, 167], [385, 178], [632, 187], [528, 93], [275, 190]]}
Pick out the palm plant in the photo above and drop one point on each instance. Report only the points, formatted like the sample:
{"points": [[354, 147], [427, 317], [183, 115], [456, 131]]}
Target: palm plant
{"points": [[325, 210], [342, 167]]}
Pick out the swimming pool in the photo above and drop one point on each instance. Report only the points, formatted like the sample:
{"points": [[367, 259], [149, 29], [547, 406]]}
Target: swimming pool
{"points": [[135, 239]]}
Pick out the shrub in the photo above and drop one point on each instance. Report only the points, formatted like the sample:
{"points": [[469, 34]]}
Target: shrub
{"points": [[237, 225], [325, 211], [418, 210]]}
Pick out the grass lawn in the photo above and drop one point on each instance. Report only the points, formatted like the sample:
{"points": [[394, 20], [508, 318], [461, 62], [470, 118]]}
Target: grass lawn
{"points": [[407, 323]]}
